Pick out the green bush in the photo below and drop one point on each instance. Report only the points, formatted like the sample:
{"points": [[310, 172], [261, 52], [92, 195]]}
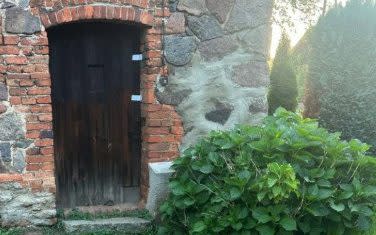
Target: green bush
{"points": [[341, 71], [286, 176], [283, 91]]}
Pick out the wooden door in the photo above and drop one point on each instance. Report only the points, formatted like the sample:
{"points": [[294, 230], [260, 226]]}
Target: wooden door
{"points": [[96, 125]]}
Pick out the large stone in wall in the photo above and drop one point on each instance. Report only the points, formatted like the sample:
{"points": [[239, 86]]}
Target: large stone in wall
{"points": [[175, 23], [249, 14], [3, 92], [251, 74], [194, 7], [21, 207], [220, 8], [171, 95], [257, 40], [18, 20], [221, 113], [179, 49], [217, 48], [7, 4], [11, 127], [5, 152], [205, 27]]}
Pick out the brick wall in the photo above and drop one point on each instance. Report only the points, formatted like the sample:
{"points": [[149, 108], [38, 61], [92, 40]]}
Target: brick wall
{"points": [[25, 93]]}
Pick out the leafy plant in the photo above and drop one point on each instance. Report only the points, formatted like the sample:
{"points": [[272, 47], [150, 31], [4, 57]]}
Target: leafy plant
{"points": [[283, 89], [286, 176]]}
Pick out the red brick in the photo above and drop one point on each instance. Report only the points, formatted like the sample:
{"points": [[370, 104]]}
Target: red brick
{"points": [[156, 131], [39, 91], [11, 40], [97, 12], [20, 76], [26, 83], [146, 18], [41, 108], [15, 100], [159, 138], [33, 151], [110, 11], [40, 75], [9, 50], [17, 91], [15, 60], [44, 100], [38, 126], [45, 117], [74, 13], [178, 130], [33, 134], [28, 100], [45, 20], [47, 150], [39, 159], [44, 142], [88, 12], [158, 147], [43, 82], [10, 178], [41, 50], [117, 13]]}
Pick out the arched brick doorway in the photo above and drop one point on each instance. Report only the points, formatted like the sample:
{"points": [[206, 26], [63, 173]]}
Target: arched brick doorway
{"points": [[25, 73], [96, 124]]}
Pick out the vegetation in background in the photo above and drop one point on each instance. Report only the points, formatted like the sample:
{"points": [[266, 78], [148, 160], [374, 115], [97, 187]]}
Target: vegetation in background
{"points": [[287, 176], [283, 89], [341, 89]]}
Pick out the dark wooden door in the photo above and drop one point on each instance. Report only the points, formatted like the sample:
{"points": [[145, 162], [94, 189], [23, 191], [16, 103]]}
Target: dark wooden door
{"points": [[96, 125]]}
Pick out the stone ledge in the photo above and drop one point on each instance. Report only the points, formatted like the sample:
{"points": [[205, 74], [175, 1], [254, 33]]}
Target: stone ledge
{"points": [[126, 224]]}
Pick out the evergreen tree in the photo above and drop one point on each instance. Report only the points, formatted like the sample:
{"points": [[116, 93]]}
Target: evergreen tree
{"points": [[283, 89]]}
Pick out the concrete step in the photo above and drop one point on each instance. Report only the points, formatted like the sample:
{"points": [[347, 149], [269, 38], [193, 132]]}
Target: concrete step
{"points": [[125, 224]]}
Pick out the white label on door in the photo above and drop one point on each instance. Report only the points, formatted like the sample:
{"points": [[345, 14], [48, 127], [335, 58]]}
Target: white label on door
{"points": [[136, 98], [137, 57]]}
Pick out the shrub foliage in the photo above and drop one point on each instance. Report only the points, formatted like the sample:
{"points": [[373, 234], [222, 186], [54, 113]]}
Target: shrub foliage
{"points": [[283, 91], [287, 176], [342, 71]]}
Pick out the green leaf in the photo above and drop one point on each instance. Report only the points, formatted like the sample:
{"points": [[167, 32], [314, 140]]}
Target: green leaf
{"points": [[272, 182], [199, 227], [206, 169], [261, 215], [318, 209], [325, 193], [265, 230], [237, 226], [235, 193], [337, 207], [288, 224]]}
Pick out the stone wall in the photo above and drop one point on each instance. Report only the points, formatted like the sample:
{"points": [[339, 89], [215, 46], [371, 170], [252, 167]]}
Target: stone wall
{"points": [[217, 51], [214, 75]]}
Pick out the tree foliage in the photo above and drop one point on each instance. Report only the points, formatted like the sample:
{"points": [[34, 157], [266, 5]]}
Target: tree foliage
{"points": [[286, 176], [283, 89], [342, 71]]}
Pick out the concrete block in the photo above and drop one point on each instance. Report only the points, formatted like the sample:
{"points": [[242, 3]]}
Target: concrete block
{"points": [[159, 174]]}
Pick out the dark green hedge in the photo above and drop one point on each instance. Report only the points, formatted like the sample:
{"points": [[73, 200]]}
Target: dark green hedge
{"points": [[342, 70], [283, 90]]}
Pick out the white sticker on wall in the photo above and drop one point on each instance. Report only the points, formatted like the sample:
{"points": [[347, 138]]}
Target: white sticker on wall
{"points": [[136, 98], [137, 57]]}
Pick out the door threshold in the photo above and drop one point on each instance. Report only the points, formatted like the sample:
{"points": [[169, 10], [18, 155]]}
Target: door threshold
{"points": [[107, 209]]}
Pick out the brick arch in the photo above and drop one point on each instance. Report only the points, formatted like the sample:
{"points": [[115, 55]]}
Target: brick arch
{"points": [[97, 12]]}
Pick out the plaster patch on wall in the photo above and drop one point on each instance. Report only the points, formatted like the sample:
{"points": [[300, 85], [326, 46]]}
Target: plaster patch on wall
{"points": [[228, 74]]}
